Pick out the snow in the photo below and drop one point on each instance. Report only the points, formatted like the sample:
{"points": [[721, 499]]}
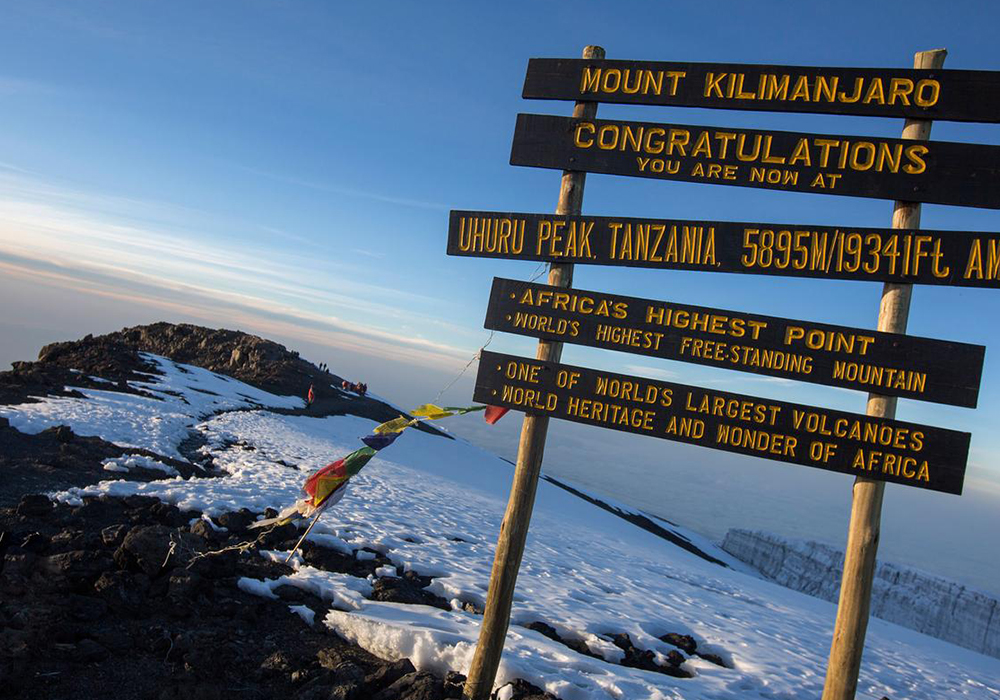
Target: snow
{"points": [[307, 614], [434, 506], [158, 422], [343, 591], [126, 462]]}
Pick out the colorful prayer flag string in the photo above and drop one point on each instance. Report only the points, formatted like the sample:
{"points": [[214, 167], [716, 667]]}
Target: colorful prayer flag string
{"points": [[325, 487]]}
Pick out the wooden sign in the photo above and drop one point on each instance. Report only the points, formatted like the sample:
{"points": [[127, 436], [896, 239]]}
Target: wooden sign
{"points": [[931, 171], [852, 358], [957, 95], [955, 258], [878, 448]]}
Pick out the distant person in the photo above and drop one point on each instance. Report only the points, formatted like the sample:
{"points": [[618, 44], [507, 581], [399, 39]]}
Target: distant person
{"points": [[311, 396], [345, 385]]}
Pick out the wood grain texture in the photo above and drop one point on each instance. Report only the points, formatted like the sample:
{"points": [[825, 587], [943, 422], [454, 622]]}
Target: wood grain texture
{"points": [[864, 529], [531, 448]]}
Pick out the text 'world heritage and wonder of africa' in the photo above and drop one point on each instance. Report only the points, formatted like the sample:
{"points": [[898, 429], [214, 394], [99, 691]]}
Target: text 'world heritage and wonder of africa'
{"points": [[889, 450]]}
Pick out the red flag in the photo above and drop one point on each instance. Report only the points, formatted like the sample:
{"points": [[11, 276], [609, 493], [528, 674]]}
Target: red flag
{"points": [[494, 413]]}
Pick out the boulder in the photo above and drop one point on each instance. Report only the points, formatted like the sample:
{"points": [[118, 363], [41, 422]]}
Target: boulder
{"points": [[34, 505], [387, 674], [684, 642], [420, 685]]}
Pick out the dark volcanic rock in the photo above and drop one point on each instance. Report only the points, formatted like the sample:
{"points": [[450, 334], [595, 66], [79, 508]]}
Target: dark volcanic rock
{"points": [[545, 630], [48, 461], [414, 686], [401, 590], [122, 597], [684, 642], [34, 505], [387, 674], [35, 542], [72, 570], [577, 645], [145, 549], [454, 684], [646, 659], [75, 624], [521, 689], [237, 521], [122, 591], [714, 658], [88, 650]]}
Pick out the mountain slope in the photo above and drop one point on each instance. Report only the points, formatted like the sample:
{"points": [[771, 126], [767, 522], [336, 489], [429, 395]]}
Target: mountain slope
{"points": [[604, 609]]}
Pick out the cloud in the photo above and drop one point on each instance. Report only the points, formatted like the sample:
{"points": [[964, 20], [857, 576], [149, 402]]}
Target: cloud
{"points": [[350, 191], [68, 238], [218, 310], [652, 372]]}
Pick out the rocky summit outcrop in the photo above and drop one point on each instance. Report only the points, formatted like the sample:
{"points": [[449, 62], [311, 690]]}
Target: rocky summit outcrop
{"points": [[114, 362], [249, 358]]}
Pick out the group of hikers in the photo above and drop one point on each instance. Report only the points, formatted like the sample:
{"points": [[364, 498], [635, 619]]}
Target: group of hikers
{"points": [[358, 388]]}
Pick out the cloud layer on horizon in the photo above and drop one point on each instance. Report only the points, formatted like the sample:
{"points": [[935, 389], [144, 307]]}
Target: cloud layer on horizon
{"points": [[124, 249]]}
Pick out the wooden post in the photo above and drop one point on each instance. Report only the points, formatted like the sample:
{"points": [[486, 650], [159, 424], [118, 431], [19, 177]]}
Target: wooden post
{"points": [[514, 529], [866, 510]]}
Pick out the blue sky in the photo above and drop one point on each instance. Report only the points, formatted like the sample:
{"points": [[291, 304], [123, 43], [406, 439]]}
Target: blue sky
{"points": [[287, 168]]}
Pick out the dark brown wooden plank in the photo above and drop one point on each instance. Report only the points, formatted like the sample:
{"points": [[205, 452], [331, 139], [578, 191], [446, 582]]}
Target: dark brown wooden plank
{"points": [[941, 172], [956, 95], [852, 358], [889, 450], [954, 258]]}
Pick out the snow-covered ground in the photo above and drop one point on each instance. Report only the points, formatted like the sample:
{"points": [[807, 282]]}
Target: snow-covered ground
{"points": [[434, 505]]}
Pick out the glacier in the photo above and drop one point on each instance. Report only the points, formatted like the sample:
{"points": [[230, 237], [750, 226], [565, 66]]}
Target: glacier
{"points": [[914, 599]]}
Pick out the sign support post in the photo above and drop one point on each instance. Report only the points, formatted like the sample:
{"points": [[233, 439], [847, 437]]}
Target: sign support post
{"points": [[866, 510], [514, 528]]}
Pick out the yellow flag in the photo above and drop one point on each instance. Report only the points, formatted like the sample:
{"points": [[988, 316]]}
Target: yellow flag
{"points": [[396, 425], [431, 412]]}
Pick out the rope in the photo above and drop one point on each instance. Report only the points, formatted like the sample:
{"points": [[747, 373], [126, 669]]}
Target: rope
{"points": [[539, 271], [465, 369]]}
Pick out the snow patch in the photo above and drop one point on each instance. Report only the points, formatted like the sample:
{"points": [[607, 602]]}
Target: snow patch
{"points": [[126, 463]]}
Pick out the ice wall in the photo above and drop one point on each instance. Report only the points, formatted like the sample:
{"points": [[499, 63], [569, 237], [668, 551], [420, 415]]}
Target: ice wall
{"points": [[935, 606]]}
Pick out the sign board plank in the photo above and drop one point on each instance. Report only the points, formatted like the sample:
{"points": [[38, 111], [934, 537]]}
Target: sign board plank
{"points": [[879, 448], [955, 258], [956, 95], [941, 172], [852, 358]]}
